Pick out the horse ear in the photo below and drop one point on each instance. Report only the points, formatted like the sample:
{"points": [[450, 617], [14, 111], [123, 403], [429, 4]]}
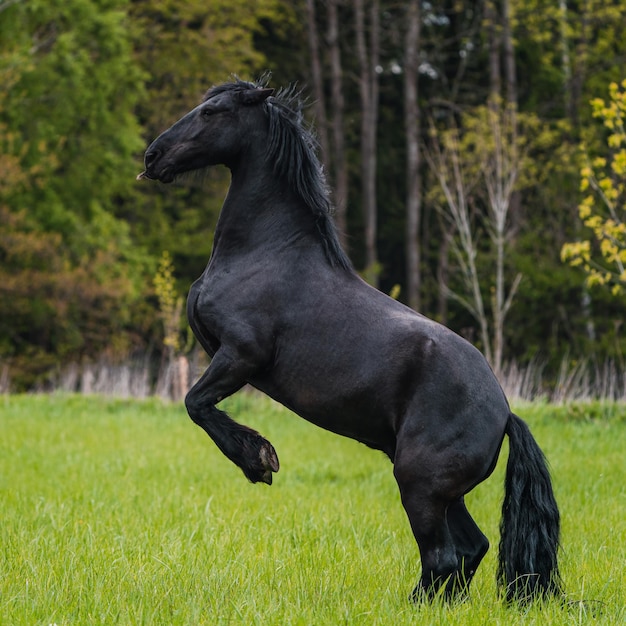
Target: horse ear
{"points": [[255, 96]]}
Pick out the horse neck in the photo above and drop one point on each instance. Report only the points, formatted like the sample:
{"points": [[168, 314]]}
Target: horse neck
{"points": [[260, 210]]}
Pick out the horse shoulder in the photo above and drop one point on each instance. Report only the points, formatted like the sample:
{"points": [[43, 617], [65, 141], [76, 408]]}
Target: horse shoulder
{"points": [[234, 310]]}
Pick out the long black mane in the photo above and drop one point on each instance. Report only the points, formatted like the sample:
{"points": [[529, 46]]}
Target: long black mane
{"points": [[292, 149]]}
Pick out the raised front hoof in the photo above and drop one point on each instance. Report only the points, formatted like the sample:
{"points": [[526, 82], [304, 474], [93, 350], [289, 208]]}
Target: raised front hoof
{"points": [[260, 460]]}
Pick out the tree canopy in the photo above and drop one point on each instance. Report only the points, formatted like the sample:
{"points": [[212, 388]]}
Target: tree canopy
{"points": [[89, 83]]}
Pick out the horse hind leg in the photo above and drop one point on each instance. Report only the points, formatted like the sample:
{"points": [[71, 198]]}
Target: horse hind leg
{"points": [[426, 510], [450, 543], [471, 546]]}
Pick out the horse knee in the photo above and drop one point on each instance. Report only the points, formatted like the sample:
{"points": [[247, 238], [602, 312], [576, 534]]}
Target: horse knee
{"points": [[195, 407], [206, 415]]}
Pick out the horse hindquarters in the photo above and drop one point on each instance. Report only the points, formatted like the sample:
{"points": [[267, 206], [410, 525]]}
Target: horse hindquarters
{"points": [[530, 521]]}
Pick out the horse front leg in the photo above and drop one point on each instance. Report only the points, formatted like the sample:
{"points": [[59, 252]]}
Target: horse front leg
{"points": [[226, 374]]}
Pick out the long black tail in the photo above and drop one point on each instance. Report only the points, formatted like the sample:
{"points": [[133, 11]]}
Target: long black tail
{"points": [[530, 526]]}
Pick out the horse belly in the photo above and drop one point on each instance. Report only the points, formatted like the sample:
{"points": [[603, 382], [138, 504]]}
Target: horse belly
{"points": [[344, 395]]}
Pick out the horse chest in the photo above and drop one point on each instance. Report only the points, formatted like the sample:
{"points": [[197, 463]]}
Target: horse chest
{"points": [[225, 301]]}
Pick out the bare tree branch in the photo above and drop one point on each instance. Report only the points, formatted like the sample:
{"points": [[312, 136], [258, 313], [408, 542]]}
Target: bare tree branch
{"points": [[497, 159]]}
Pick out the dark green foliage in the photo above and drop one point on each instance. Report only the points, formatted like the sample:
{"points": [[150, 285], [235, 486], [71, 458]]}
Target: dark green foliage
{"points": [[71, 273]]}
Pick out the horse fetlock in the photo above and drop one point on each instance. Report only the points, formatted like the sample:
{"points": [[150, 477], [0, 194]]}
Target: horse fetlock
{"points": [[452, 588]]}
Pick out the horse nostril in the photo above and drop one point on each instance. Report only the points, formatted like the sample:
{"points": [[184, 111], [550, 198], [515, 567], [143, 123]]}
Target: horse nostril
{"points": [[151, 157]]}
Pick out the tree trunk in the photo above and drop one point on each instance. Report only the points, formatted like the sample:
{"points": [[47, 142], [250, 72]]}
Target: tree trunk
{"points": [[493, 29], [340, 166], [319, 105], [514, 200], [580, 67], [368, 56], [509, 56], [565, 57], [511, 105], [412, 129]]}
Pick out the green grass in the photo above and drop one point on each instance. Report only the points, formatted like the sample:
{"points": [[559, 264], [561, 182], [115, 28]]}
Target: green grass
{"points": [[124, 512]]}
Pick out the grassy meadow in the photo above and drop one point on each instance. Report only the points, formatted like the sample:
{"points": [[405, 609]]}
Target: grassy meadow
{"points": [[124, 512]]}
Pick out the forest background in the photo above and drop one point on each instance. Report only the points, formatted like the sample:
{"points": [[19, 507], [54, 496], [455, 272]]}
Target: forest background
{"points": [[466, 144]]}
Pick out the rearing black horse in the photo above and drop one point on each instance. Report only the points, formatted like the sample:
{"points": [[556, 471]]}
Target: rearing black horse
{"points": [[280, 307]]}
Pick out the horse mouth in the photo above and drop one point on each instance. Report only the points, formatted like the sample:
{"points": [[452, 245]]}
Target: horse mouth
{"points": [[166, 176]]}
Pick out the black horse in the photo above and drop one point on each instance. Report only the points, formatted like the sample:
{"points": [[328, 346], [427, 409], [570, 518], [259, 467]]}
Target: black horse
{"points": [[280, 307]]}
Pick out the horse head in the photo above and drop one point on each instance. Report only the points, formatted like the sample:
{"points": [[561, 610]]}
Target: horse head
{"points": [[213, 133]]}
